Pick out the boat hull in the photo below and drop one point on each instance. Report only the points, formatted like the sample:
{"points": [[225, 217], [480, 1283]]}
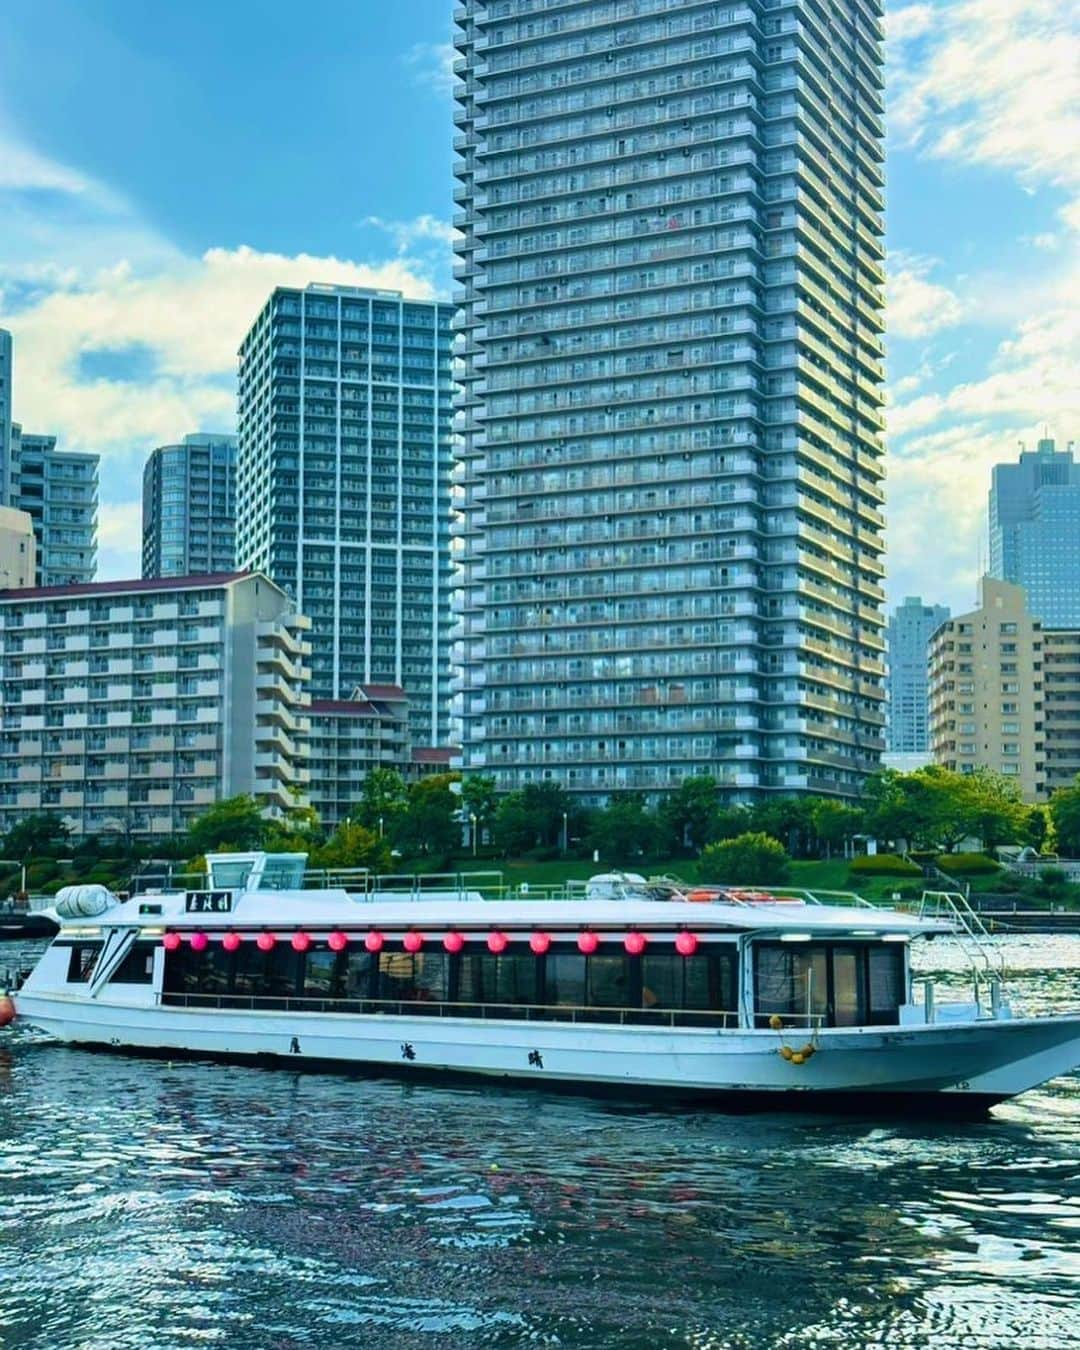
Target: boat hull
{"points": [[962, 1067]]}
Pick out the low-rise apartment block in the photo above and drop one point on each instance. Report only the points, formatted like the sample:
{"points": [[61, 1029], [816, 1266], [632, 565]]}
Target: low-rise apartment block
{"points": [[349, 738], [129, 707]]}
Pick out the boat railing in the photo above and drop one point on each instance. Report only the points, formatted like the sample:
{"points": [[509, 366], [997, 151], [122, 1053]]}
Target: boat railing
{"points": [[528, 1012]]}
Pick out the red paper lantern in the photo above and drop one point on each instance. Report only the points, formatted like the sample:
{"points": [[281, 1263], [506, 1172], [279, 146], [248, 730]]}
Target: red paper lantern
{"points": [[587, 943], [199, 942], [301, 942], [540, 942], [266, 942], [337, 941], [231, 942], [374, 941], [171, 942], [635, 943], [497, 942], [453, 942], [412, 942], [686, 944]]}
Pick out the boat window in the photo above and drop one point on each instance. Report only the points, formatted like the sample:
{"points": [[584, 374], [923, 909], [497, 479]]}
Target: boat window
{"points": [[230, 875], [361, 975], [609, 982], [282, 872], [706, 982], [138, 966], [842, 984], [324, 973], [483, 978], [413, 978], [81, 963], [565, 980]]}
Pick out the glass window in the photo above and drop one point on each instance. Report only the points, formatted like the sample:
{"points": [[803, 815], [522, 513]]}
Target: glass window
{"points": [[81, 963], [608, 981], [324, 973], [566, 980], [138, 966], [413, 977], [483, 978]]}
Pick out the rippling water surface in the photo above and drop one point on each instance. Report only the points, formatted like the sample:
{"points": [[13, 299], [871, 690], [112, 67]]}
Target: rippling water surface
{"points": [[145, 1204]]}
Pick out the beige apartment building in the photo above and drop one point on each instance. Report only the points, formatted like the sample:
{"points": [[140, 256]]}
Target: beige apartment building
{"points": [[18, 549], [131, 706], [1005, 693], [986, 690]]}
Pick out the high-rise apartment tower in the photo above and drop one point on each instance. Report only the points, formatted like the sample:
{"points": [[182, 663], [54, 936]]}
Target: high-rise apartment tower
{"points": [[343, 485], [189, 507], [669, 335]]}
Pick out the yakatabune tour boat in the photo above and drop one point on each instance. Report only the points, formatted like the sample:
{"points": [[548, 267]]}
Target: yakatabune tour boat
{"points": [[630, 986]]}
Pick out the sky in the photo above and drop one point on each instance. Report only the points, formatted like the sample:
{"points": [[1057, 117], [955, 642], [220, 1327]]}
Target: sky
{"points": [[164, 166]]}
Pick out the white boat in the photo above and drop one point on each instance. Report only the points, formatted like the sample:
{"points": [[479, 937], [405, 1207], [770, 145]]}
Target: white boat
{"points": [[765, 997]]}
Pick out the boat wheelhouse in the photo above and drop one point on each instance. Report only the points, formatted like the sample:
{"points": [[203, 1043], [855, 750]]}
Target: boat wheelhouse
{"points": [[624, 984]]}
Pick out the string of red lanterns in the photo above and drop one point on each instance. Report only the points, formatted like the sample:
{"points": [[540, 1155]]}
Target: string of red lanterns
{"points": [[588, 942]]}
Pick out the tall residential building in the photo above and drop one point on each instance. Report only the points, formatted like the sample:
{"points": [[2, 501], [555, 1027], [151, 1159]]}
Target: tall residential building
{"points": [[18, 549], [987, 690], [189, 507], [670, 350], [911, 625], [130, 706], [343, 485], [59, 490], [7, 414], [1035, 531]]}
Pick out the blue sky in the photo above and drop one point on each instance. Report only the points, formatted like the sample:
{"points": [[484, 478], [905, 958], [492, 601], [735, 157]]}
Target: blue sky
{"points": [[162, 166]]}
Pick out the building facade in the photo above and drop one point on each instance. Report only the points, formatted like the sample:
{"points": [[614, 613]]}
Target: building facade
{"points": [[1035, 531], [18, 550], [911, 626], [987, 697], [343, 485], [7, 411], [189, 507], [59, 491], [670, 352], [349, 738], [1061, 706], [128, 707]]}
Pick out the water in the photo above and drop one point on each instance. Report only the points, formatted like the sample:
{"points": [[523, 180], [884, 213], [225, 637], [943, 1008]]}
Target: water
{"points": [[144, 1204]]}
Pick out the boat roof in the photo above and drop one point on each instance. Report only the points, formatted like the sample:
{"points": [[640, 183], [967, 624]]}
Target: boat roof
{"points": [[439, 911]]}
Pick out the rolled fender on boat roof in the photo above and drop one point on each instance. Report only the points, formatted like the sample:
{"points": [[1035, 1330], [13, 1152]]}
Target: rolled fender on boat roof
{"points": [[83, 902]]}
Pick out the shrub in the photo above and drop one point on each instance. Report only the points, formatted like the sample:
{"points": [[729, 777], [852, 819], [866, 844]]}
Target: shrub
{"points": [[1052, 879], [966, 864], [884, 865], [753, 858]]}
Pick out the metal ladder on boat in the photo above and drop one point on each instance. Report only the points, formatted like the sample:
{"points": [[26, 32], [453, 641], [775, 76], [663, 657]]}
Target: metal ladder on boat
{"points": [[987, 962]]}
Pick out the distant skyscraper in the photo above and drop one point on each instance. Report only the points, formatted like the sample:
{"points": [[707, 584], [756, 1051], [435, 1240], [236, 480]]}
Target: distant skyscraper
{"points": [[911, 626], [7, 414], [343, 485], [59, 491], [189, 507], [670, 342], [1035, 531]]}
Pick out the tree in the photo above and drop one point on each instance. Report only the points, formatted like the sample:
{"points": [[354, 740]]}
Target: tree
{"points": [[834, 822], [514, 829], [479, 798], [1065, 813], [623, 830], [752, 859], [688, 815], [235, 823], [788, 819], [36, 836], [354, 845], [429, 824], [382, 798], [299, 831], [995, 810]]}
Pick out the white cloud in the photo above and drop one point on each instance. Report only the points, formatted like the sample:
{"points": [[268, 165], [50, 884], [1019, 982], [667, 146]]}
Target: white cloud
{"points": [[189, 316], [432, 65], [994, 83], [916, 307], [408, 233]]}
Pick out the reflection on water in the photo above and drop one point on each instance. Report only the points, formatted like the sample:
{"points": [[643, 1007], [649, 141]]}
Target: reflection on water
{"points": [[146, 1204]]}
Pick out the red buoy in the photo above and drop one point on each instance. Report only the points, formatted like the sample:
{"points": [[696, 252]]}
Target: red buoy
{"points": [[7, 1011]]}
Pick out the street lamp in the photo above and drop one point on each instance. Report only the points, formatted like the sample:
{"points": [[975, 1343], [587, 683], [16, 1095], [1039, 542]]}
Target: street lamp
{"points": [[472, 821], [565, 840], [380, 827]]}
